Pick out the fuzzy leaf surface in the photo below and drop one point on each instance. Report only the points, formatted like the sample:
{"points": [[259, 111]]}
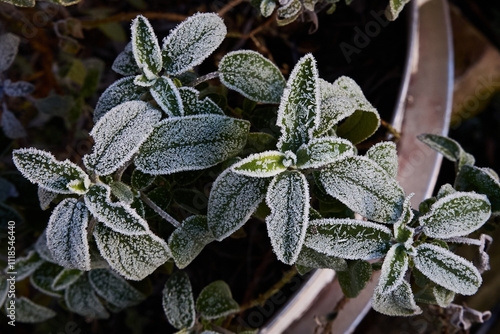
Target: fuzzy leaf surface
{"points": [[145, 47], [393, 269], [167, 96], [399, 302], [443, 296], [8, 51], [66, 278], [449, 148], [19, 88], [480, 180], [320, 152], [310, 258], [394, 8], [114, 288], [354, 278], [386, 156], [43, 277], [125, 63], [25, 266], [194, 106], [30, 312], [178, 301], [265, 164], [215, 301], [81, 299]]}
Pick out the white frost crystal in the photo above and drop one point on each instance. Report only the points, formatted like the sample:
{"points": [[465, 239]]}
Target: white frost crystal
{"points": [[393, 269], [145, 47], [265, 164], [399, 302], [114, 288], [178, 302], [320, 152], [386, 156], [81, 299]]}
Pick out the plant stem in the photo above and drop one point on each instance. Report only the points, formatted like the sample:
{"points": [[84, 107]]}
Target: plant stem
{"points": [[159, 211], [204, 78], [391, 130], [91, 24]]}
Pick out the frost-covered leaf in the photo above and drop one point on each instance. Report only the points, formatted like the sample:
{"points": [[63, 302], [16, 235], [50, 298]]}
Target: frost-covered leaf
{"points": [[42, 249], [344, 99], [233, 199], [167, 96], [116, 215], [386, 156], [449, 148], [188, 241], [25, 266], [445, 190], [322, 151], [81, 299], [141, 181], [133, 256], [252, 75], [194, 106], [443, 296], [309, 4], [67, 234], [348, 238], [393, 269], [394, 8], [178, 301], [125, 63], [215, 301], [19, 88], [402, 232], [66, 278], [298, 113], [119, 134], [45, 197], [456, 215], [265, 164], [28, 312], [191, 143], [122, 192], [114, 289], [43, 277], [192, 41], [312, 259], [447, 269], [42, 168], [365, 188], [289, 11], [145, 47], [399, 302], [8, 51], [142, 80], [288, 199], [480, 180], [354, 279], [11, 126], [267, 7], [21, 3]]}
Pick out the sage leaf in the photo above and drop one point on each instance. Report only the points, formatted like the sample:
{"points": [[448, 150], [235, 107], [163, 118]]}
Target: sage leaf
{"points": [[289, 11], [119, 134], [116, 215], [167, 96], [394, 8], [132, 256], [215, 301], [178, 301], [19, 88], [114, 288], [30, 312], [11, 126], [393, 269], [145, 47], [449, 148], [386, 156], [25, 266], [402, 232], [42, 168], [365, 188], [192, 41], [443, 296], [42, 249], [267, 7], [81, 299], [191, 143], [233, 199], [354, 278], [141, 181], [194, 106], [348, 238], [67, 235], [8, 51], [252, 75], [66, 278], [43, 277], [265, 164], [45, 197], [322, 151], [188, 241], [298, 112], [456, 215], [310, 258], [447, 269], [480, 180], [125, 63], [399, 302]]}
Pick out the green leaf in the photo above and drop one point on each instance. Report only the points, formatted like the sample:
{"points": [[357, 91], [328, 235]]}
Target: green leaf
{"points": [[344, 100], [189, 240], [42, 249], [215, 301], [354, 279], [480, 180], [386, 156], [145, 47], [43, 277], [288, 199], [394, 8], [27, 311], [194, 106], [456, 215], [445, 190], [120, 91], [191, 143], [119, 134], [46, 197], [365, 188], [42, 168], [289, 12], [310, 258], [132, 256], [125, 63], [267, 7], [348, 238], [116, 215], [141, 181], [81, 299], [320, 152], [309, 4], [399, 302], [178, 302], [67, 234], [167, 96], [298, 112], [393, 269], [402, 233], [66, 278], [447, 269], [449, 148], [233, 199], [192, 41], [252, 75], [443, 296], [114, 289], [122, 192], [265, 164], [10, 42], [25, 266]]}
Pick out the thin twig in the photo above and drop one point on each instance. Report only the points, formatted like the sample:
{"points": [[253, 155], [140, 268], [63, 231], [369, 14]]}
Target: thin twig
{"points": [[229, 6], [159, 211], [121, 17], [392, 131], [204, 78]]}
